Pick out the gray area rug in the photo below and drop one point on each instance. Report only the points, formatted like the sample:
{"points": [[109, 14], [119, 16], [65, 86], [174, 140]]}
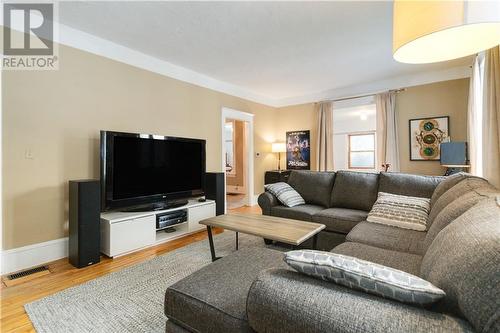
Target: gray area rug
{"points": [[130, 300]]}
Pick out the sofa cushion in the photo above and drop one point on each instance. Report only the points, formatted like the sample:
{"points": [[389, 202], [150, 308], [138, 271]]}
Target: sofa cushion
{"points": [[340, 219], [302, 212], [400, 211], [286, 301], [406, 262], [454, 209], [408, 184], [448, 183], [314, 186], [285, 194], [464, 261], [364, 275], [387, 237], [462, 187], [354, 190], [214, 298]]}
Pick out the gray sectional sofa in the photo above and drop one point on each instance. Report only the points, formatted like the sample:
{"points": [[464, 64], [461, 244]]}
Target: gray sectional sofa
{"points": [[340, 200], [252, 290]]}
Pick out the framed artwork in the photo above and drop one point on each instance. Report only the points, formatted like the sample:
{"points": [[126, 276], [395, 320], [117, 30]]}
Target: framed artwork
{"points": [[298, 150], [425, 136]]}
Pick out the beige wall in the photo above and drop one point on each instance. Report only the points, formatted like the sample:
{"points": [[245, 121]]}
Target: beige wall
{"points": [[57, 115], [295, 118], [448, 98]]}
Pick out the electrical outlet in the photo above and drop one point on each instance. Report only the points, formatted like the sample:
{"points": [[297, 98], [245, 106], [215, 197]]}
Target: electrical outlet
{"points": [[28, 154]]}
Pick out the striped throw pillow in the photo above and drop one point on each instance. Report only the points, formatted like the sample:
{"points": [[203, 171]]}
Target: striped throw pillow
{"points": [[285, 194], [400, 211]]}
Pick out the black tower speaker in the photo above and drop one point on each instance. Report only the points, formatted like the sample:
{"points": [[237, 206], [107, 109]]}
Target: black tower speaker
{"points": [[214, 190], [84, 222]]}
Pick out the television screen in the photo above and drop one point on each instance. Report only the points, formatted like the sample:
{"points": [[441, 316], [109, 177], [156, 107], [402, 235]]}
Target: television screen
{"points": [[144, 168]]}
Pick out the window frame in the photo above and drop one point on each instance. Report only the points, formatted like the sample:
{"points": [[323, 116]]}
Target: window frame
{"points": [[374, 151]]}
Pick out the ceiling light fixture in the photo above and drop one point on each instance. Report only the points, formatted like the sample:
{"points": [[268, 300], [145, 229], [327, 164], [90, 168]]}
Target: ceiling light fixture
{"points": [[432, 31]]}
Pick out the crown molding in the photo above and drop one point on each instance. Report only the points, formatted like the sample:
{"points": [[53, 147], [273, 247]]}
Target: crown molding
{"points": [[90, 43], [96, 45], [380, 86]]}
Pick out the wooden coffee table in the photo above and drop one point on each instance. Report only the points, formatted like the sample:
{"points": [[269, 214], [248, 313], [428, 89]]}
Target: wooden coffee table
{"points": [[279, 229]]}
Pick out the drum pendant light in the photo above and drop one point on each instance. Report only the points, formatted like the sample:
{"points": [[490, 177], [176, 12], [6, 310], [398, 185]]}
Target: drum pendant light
{"points": [[432, 31]]}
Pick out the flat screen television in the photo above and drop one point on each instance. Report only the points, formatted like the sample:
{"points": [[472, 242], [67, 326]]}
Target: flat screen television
{"points": [[146, 172]]}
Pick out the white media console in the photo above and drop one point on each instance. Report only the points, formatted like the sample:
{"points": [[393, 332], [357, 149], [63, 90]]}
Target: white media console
{"points": [[124, 232]]}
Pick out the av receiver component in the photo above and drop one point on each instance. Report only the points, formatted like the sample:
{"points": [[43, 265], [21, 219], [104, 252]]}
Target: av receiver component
{"points": [[169, 219]]}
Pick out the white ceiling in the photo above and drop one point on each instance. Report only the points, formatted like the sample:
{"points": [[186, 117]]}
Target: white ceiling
{"points": [[283, 51]]}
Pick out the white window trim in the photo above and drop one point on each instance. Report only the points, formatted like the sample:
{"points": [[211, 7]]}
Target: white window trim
{"points": [[374, 133]]}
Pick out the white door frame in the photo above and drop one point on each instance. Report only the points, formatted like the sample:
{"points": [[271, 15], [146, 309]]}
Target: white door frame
{"points": [[228, 113]]}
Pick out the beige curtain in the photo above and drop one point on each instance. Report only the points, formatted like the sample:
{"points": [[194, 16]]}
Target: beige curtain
{"points": [[491, 116], [387, 131], [475, 117], [324, 146]]}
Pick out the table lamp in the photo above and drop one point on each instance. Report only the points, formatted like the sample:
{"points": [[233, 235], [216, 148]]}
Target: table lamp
{"points": [[278, 147], [454, 156]]}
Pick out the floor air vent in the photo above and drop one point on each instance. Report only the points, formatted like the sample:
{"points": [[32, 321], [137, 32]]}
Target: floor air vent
{"points": [[28, 272]]}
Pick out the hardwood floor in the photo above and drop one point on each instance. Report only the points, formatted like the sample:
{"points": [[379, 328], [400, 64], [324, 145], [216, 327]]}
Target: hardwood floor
{"points": [[234, 201], [62, 275]]}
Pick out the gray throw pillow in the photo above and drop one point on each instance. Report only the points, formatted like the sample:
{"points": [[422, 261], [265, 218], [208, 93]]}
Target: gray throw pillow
{"points": [[364, 275], [400, 211], [285, 194]]}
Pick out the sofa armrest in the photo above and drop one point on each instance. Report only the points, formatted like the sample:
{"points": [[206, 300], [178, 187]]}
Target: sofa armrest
{"points": [[281, 300], [266, 201]]}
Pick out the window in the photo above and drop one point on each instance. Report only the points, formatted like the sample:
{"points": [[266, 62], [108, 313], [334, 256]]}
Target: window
{"points": [[362, 151], [356, 118]]}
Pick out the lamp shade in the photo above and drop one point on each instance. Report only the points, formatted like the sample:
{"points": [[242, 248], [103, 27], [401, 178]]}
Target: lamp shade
{"points": [[278, 147], [453, 154], [432, 31]]}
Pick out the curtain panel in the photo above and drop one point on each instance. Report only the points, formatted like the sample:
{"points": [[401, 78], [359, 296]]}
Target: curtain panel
{"points": [[387, 131], [324, 145], [475, 117], [491, 116]]}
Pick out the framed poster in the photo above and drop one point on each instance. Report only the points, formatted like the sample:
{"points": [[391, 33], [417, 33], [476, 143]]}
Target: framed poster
{"points": [[425, 136], [298, 150]]}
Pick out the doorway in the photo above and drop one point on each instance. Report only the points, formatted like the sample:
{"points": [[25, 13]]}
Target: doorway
{"points": [[235, 163], [237, 151]]}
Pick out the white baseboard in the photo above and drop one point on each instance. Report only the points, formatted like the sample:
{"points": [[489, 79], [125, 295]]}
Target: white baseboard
{"points": [[33, 255], [20, 258]]}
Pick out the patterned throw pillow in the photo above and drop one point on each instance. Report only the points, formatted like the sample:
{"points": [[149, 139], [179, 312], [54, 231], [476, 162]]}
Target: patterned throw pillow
{"points": [[285, 194], [364, 275], [400, 211]]}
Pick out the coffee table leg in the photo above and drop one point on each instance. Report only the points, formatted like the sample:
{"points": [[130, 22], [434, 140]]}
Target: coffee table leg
{"points": [[211, 242], [315, 242], [236, 241]]}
